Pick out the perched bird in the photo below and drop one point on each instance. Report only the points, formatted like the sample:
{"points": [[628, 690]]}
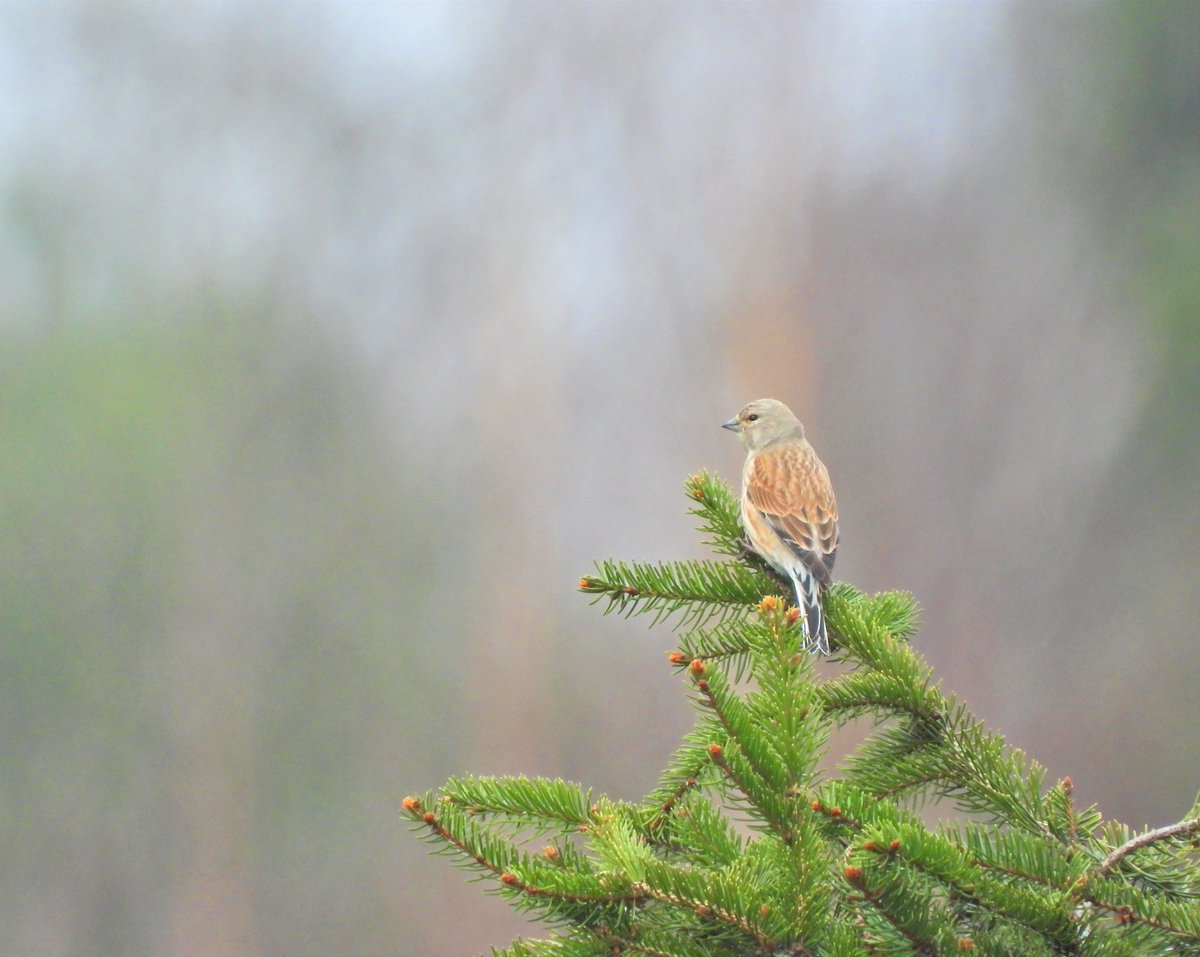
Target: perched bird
{"points": [[788, 508]]}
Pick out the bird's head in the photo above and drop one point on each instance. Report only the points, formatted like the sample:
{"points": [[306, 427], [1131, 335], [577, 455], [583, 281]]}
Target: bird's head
{"points": [[764, 421]]}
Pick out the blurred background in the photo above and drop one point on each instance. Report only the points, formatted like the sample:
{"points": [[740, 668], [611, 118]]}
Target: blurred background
{"points": [[337, 340]]}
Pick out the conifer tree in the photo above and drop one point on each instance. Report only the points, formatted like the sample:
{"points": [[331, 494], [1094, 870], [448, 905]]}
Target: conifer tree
{"points": [[829, 866]]}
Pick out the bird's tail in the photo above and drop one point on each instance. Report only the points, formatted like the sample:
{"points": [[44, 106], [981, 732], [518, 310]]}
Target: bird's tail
{"points": [[808, 600]]}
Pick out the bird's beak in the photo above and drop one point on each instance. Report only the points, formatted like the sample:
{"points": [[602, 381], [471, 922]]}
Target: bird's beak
{"points": [[731, 425]]}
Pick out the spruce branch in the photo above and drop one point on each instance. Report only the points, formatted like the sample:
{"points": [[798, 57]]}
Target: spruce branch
{"points": [[689, 768], [1070, 824], [882, 693], [717, 898], [700, 832], [719, 512], [726, 642], [751, 791], [1172, 832], [945, 864], [536, 877], [552, 803], [898, 914], [1028, 859], [698, 592], [1128, 906]]}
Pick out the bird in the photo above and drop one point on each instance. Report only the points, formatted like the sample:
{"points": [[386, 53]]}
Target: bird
{"points": [[788, 509]]}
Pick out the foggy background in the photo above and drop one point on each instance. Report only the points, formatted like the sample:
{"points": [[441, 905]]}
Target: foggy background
{"points": [[337, 340]]}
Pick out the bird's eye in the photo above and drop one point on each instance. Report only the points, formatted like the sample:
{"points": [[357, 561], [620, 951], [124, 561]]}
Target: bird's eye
{"points": [[752, 418]]}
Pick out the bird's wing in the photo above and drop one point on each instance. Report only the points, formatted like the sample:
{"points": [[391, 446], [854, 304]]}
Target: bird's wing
{"points": [[791, 487]]}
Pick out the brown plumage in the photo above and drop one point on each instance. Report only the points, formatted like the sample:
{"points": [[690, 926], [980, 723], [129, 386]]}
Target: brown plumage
{"points": [[788, 507]]}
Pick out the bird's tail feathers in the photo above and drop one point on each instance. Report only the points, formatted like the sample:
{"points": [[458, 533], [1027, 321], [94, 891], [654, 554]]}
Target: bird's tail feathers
{"points": [[808, 600]]}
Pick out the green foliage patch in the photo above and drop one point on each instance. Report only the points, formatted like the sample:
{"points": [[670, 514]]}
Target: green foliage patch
{"points": [[835, 866]]}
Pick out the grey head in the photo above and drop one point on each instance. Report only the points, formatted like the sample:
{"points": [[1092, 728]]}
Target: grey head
{"points": [[764, 421]]}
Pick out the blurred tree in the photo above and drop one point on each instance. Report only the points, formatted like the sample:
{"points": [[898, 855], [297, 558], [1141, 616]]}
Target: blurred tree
{"points": [[1122, 138], [1148, 96], [203, 626]]}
